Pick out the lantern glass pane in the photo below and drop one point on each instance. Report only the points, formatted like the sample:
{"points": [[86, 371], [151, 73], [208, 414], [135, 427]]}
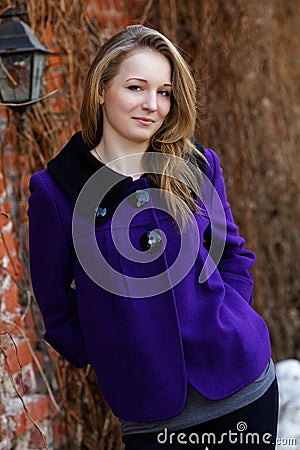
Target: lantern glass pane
{"points": [[15, 77], [37, 74]]}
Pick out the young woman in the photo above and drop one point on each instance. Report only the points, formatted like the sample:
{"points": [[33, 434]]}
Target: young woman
{"points": [[134, 214]]}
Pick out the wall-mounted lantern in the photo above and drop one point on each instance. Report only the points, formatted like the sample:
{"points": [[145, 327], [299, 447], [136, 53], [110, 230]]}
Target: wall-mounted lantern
{"points": [[22, 62]]}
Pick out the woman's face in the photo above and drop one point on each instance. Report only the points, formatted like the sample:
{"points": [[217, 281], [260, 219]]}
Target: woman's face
{"points": [[137, 99]]}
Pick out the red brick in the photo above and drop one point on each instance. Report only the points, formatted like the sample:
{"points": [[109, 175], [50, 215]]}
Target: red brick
{"points": [[20, 358], [5, 207], [9, 245], [40, 357], [2, 185], [29, 319], [58, 434], [36, 440], [11, 158], [2, 253], [31, 335], [19, 322], [12, 299], [38, 409], [25, 380]]}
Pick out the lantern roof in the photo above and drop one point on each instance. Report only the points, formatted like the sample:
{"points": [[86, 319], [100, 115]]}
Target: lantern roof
{"points": [[16, 36]]}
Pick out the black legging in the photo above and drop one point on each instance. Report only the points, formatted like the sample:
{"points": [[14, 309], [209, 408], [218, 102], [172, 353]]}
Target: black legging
{"points": [[252, 427]]}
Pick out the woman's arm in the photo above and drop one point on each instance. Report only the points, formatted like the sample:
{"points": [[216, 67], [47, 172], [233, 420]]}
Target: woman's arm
{"points": [[236, 261], [51, 275]]}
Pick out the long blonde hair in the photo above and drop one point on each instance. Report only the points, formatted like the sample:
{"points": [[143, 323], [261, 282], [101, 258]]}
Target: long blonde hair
{"points": [[174, 136]]}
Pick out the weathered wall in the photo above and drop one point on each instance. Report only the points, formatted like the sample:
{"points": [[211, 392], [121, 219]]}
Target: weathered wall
{"points": [[245, 58], [21, 361]]}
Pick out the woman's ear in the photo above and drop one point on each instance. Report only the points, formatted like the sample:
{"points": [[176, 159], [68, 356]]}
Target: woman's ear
{"points": [[101, 95]]}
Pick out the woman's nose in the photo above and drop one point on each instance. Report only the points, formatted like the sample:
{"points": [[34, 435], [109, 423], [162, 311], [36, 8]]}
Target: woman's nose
{"points": [[150, 102]]}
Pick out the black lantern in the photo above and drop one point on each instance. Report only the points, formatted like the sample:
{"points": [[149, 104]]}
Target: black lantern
{"points": [[22, 62]]}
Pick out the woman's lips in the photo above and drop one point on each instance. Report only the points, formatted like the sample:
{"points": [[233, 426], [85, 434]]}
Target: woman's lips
{"points": [[144, 120]]}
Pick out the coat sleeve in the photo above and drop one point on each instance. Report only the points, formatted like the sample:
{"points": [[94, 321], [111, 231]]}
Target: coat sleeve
{"points": [[52, 274], [236, 261]]}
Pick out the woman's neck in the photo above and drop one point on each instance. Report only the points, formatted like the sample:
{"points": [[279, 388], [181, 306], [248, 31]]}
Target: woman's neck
{"points": [[123, 157]]}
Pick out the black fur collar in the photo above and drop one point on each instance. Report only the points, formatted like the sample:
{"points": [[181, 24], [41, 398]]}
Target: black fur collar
{"points": [[73, 166]]}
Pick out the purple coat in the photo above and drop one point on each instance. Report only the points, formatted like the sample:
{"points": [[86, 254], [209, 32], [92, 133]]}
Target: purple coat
{"points": [[144, 349]]}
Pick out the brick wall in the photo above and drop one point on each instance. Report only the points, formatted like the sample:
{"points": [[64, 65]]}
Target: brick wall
{"points": [[26, 409]]}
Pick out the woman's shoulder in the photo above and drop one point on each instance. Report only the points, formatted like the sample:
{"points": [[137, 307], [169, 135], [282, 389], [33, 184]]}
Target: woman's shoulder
{"points": [[212, 162], [43, 186], [212, 158], [41, 179]]}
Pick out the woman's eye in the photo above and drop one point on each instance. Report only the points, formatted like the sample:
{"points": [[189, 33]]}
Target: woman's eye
{"points": [[164, 93], [134, 87]]}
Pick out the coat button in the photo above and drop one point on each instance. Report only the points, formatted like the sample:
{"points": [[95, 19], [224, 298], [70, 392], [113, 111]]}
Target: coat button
{"points": [[139, 198], [100, 212], [151, 240], [101, 215]]}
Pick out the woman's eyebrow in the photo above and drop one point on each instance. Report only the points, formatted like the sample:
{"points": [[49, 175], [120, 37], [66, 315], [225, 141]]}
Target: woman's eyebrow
{"points": [[145, 81], [137, 78]]}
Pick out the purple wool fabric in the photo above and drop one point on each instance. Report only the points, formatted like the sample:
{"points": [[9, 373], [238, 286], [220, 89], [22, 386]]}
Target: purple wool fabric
{"points": [[144, 350]]}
